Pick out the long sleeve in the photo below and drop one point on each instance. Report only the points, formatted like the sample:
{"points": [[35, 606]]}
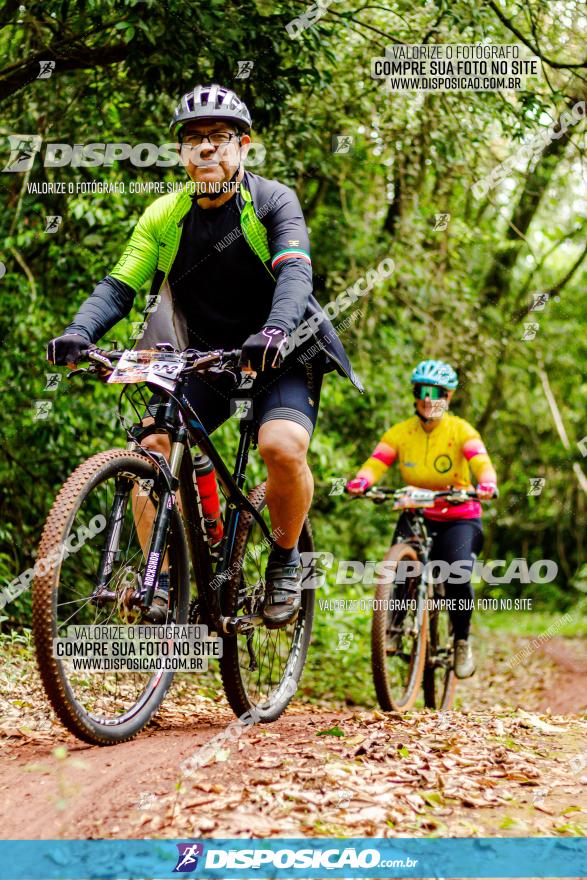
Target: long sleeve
{"points": [[476, 454], [384, 454], [139, 258], [291, 264], [110, 302], [113, 297]]}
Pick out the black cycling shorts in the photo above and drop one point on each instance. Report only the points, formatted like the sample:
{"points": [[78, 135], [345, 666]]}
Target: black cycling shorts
{"points": [[291, 393]]}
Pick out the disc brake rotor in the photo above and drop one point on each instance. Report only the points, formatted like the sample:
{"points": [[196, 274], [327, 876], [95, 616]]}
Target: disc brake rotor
{"points": [[128, 593]]}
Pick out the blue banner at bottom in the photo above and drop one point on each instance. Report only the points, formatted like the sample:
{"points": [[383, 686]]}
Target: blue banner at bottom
{"points": [[305, 858]]}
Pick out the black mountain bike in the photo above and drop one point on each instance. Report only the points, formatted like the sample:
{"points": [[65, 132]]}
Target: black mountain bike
{"points": [[109, 578], [411, 635]]}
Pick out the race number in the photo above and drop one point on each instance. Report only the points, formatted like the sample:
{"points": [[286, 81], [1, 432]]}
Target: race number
{"points": [[160, 368]]}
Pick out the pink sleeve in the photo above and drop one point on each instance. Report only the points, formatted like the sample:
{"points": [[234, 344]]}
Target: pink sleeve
{"points": [[474, 447], [385, 454]]}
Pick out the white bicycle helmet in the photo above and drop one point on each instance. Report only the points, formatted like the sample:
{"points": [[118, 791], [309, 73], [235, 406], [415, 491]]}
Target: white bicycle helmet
{"points": [[211, 102]]}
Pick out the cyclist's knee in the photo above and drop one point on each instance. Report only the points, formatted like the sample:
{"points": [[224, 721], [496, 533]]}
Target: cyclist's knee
{"points": [[283, 444], [157, 443]]}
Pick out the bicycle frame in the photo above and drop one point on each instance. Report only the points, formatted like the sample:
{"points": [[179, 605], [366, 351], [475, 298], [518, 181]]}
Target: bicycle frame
{"points": [[419, 538], [177, 417]]}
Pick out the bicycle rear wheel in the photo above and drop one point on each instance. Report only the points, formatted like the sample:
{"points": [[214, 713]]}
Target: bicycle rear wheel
{"points": [[112, 491], [261, 669], [398, 637]]}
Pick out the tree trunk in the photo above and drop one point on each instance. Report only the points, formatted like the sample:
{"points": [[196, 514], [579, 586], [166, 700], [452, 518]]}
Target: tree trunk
{"points": [[497, 279]]}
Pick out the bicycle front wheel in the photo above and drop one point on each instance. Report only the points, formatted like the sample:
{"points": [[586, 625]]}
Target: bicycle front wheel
{"points": [[398, 633], [261, 669], [439, 679], [97, 517]]}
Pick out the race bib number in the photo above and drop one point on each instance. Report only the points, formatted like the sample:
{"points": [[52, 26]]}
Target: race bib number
{"points": [[160, 368], [415, 498]]}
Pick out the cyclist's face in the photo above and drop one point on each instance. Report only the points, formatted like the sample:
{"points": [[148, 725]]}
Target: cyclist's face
{"points": [[208, 163], [434, 409]]}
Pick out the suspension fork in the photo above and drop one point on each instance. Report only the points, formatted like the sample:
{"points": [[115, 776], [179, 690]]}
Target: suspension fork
{"points": [[112, 539], [168, 480], [422, 543], [422, 594]]}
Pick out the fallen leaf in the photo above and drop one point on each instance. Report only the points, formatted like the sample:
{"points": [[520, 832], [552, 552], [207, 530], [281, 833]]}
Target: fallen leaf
{"points": [[355, 740], [543, 809], [333, 731], [434, 798], [529, 720]]}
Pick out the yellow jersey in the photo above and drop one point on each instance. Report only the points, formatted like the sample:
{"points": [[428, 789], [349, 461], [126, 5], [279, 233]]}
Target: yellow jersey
{"points": [[433, 459]]}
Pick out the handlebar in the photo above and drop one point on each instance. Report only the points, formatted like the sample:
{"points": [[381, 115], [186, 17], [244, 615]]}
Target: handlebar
{"points": [[101, 361], [219, 359], [379, 495]]}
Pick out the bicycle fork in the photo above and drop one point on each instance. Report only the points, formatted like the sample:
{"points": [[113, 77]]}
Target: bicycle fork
{"points": [[165, 489], [168, 480]]}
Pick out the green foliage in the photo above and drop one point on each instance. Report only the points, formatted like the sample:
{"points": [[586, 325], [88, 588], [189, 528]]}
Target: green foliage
{"points": [[414, 156]]}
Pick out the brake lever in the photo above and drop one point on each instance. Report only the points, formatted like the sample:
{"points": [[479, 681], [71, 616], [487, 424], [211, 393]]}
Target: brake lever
{"points": [[78, 371], [375, 496], [100, 359]]}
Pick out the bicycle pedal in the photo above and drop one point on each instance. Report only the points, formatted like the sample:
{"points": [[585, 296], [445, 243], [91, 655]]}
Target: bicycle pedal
{"points": [[283, 625]]}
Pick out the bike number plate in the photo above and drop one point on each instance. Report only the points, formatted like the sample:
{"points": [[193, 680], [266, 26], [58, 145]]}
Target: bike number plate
{"points": [[160, 368], [415, 498]]}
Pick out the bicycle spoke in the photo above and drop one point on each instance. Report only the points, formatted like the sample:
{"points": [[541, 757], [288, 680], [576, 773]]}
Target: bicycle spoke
{"points": [[279, 653], [106, 695]]}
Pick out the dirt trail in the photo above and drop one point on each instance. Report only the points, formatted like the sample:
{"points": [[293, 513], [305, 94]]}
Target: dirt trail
{"points": [[490, 768], [569, 693]]}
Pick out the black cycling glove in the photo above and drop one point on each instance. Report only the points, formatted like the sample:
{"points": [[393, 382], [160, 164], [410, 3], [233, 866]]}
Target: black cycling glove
{"points": [[67, 349], [264, 349]]}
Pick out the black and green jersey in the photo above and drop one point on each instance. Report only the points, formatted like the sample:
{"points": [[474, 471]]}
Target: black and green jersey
{"points": [[231, 270]]}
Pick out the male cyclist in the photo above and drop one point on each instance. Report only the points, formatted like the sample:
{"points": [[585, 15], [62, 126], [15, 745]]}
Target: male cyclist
{"points": [[437, 450], [231, 263]]}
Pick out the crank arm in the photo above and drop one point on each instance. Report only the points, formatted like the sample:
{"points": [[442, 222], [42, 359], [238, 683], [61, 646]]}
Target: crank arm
{"points": [[251, 651], [238, 625]]}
